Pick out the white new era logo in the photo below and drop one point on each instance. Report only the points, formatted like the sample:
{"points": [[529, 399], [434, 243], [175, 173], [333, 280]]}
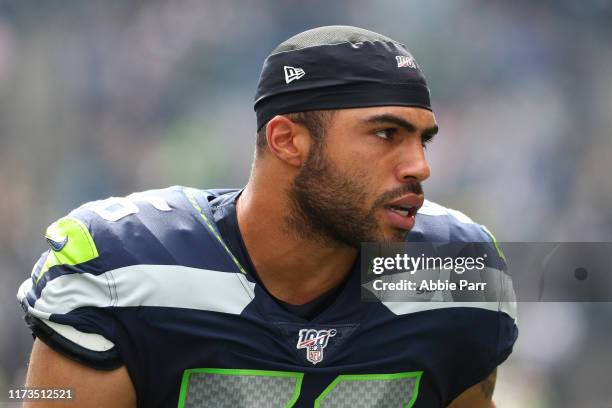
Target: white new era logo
{"points": [[293, 73], [404, 61]]}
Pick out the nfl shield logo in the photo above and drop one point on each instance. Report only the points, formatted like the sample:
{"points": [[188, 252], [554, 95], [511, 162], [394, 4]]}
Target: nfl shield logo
{"points": [[314, 341]]}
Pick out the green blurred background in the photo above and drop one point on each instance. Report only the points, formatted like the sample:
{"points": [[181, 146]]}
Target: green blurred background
{"points": [[101, 98]]}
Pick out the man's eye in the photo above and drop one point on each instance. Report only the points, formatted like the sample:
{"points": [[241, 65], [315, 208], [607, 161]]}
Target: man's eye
{"points": [[385, 133], [425, 140]]}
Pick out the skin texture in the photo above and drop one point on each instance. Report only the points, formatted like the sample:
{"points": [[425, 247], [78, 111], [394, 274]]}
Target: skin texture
{"points": [[365, 164], [325, 201], [91, 388], [478, 396], [330, 195], [357, 170]]}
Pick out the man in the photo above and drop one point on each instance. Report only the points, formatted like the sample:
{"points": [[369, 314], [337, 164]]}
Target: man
{"points": [[251, 297]]}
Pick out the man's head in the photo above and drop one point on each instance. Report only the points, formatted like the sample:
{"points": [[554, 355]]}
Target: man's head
{"points": [[352, 151]]}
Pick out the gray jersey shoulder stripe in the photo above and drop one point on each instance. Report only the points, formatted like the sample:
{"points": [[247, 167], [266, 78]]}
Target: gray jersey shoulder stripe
{"points": [[436, 210], [433, 209], [498, 296], [90, 341], [404, 308], [148, 285], [22, 295]]}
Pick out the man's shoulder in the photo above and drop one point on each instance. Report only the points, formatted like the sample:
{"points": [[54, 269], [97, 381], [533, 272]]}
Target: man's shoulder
{"points": [[121, 250], [143, 207], [169, 226], [437, 223], [137, 225], [148, 250]]}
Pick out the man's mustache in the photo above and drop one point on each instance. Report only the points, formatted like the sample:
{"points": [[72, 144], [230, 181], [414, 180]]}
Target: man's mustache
{"points": [[414, 188]]}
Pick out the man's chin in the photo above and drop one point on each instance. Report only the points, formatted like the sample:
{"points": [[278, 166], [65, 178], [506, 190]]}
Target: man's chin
{"points": [[392, 235], [400, 237]]}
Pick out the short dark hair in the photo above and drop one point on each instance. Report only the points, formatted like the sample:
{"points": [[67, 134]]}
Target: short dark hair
{"points": [[315, 121]]}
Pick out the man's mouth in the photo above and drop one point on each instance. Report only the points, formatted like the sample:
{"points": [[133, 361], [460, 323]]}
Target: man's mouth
{"points": [[406, 206], [401, 213], [404, 210]]}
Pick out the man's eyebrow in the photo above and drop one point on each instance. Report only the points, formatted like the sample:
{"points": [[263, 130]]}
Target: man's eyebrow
{"points": [[403, 123]]}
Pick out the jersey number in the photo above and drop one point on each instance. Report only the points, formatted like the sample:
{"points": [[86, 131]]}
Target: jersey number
{"points": [[115, 208], [259, 388]]}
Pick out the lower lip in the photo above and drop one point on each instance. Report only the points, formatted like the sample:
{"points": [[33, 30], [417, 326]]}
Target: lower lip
{"points": [[405, 223]]}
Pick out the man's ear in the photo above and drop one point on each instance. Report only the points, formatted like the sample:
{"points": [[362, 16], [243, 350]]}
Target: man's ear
{"points": [[287, 140]]}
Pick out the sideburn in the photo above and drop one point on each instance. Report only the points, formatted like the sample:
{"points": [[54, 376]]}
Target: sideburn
{"points": [[325, 204]]}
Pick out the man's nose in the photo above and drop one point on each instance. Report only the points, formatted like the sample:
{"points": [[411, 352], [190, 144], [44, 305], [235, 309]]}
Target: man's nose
{"points": [[413, 164]]}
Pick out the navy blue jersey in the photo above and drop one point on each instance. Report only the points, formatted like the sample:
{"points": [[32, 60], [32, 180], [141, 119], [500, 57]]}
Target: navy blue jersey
{"points": [[147, 281]]}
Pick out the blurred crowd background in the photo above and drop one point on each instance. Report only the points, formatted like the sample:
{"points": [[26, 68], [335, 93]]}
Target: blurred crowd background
{"points": [[101, 98]]}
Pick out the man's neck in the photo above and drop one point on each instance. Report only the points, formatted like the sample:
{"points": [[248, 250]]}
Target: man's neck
{"points": [[293, 269]]}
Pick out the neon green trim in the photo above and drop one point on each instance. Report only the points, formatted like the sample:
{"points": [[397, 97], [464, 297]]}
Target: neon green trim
{"points": [[190, 193], [241, 372], [373, 377], [184, 388], [497, 247], [79, 248]]}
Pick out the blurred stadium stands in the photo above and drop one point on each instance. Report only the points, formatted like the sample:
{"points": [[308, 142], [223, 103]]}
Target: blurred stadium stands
{"points": [[105, 98]]}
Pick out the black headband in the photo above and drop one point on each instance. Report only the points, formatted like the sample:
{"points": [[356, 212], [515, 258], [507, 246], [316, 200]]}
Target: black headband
{"points": [[334, 76]]}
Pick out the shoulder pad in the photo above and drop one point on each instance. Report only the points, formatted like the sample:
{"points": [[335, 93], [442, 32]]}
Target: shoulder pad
{"points": [[146, 249], [120, 231], [436, 223], [156, 227]]}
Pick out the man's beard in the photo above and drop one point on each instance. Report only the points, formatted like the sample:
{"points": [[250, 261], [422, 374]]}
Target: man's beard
{"points": [[328, 205]]}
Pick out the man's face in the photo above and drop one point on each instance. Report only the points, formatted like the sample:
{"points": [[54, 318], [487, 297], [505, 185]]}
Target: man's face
{"points": [[361, 183]]}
